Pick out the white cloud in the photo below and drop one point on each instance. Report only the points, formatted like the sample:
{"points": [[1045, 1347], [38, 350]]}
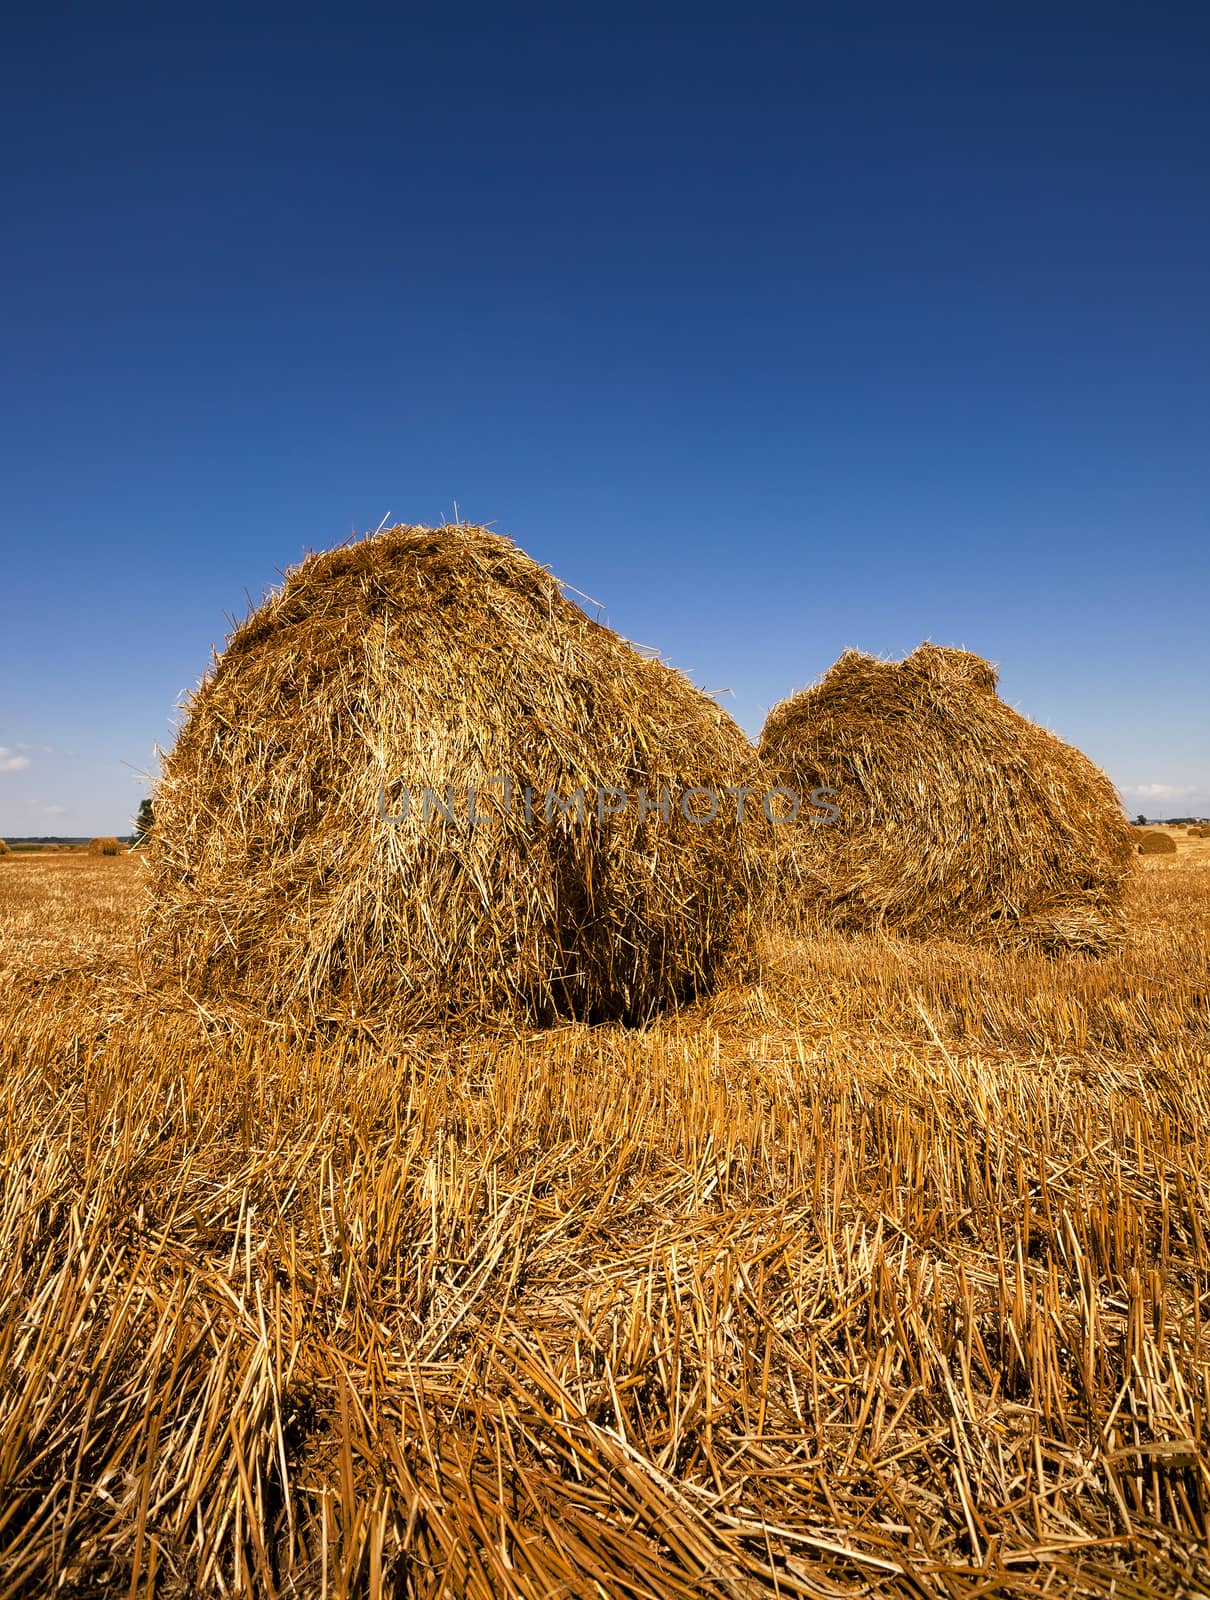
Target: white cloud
{"points": [[11, 762], [1160, 791], [54, 811]]}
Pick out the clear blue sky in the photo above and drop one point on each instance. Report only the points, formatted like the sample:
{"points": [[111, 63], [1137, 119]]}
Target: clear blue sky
{"points": [[774, 339]]}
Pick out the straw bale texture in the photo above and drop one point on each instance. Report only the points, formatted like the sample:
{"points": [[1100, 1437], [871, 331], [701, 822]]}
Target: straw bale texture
{"points": [[957, 815], [441, 659]]}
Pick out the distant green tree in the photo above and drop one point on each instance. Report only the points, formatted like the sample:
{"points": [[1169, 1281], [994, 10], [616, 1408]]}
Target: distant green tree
{"points": [[142, 823], [1139, 818]]}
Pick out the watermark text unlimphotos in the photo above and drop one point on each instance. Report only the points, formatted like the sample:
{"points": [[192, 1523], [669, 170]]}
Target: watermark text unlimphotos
{"points": [[698, 803]]}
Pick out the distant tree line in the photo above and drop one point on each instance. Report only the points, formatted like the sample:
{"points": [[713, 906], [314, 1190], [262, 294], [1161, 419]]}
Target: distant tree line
{"points": [[1167, 822]]}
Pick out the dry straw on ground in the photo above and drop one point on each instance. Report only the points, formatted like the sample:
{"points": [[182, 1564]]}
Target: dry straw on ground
{"points": [[957, 815], [884, 1279], [440, 658], [1155, 843], [104, 847]]}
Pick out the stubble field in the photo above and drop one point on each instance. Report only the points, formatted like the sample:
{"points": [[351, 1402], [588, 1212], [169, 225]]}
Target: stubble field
{"points": [[884, 1271]]}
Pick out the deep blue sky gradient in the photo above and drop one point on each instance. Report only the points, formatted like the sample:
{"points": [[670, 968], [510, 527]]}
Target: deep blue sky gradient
{"points": [[774, 339]]}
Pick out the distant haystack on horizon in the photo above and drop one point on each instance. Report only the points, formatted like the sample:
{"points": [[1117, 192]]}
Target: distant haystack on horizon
{"points": [[5, 850], [1155, 843], [104, 847], [285, 874], [957, 815]]}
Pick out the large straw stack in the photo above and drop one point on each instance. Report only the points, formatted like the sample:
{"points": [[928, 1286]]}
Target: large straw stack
{"points": [[441, 659], [957, 815]]}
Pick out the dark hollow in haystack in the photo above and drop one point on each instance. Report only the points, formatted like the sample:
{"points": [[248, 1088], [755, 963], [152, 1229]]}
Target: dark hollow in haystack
{"points": [[958, 816], [440, 659]]}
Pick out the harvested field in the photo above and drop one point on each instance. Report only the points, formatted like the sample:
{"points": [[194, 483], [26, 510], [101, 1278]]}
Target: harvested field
{"points": [[884, 1271]]}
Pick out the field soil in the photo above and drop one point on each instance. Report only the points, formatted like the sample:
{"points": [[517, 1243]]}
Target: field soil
{"points": [[883, 1271]]}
